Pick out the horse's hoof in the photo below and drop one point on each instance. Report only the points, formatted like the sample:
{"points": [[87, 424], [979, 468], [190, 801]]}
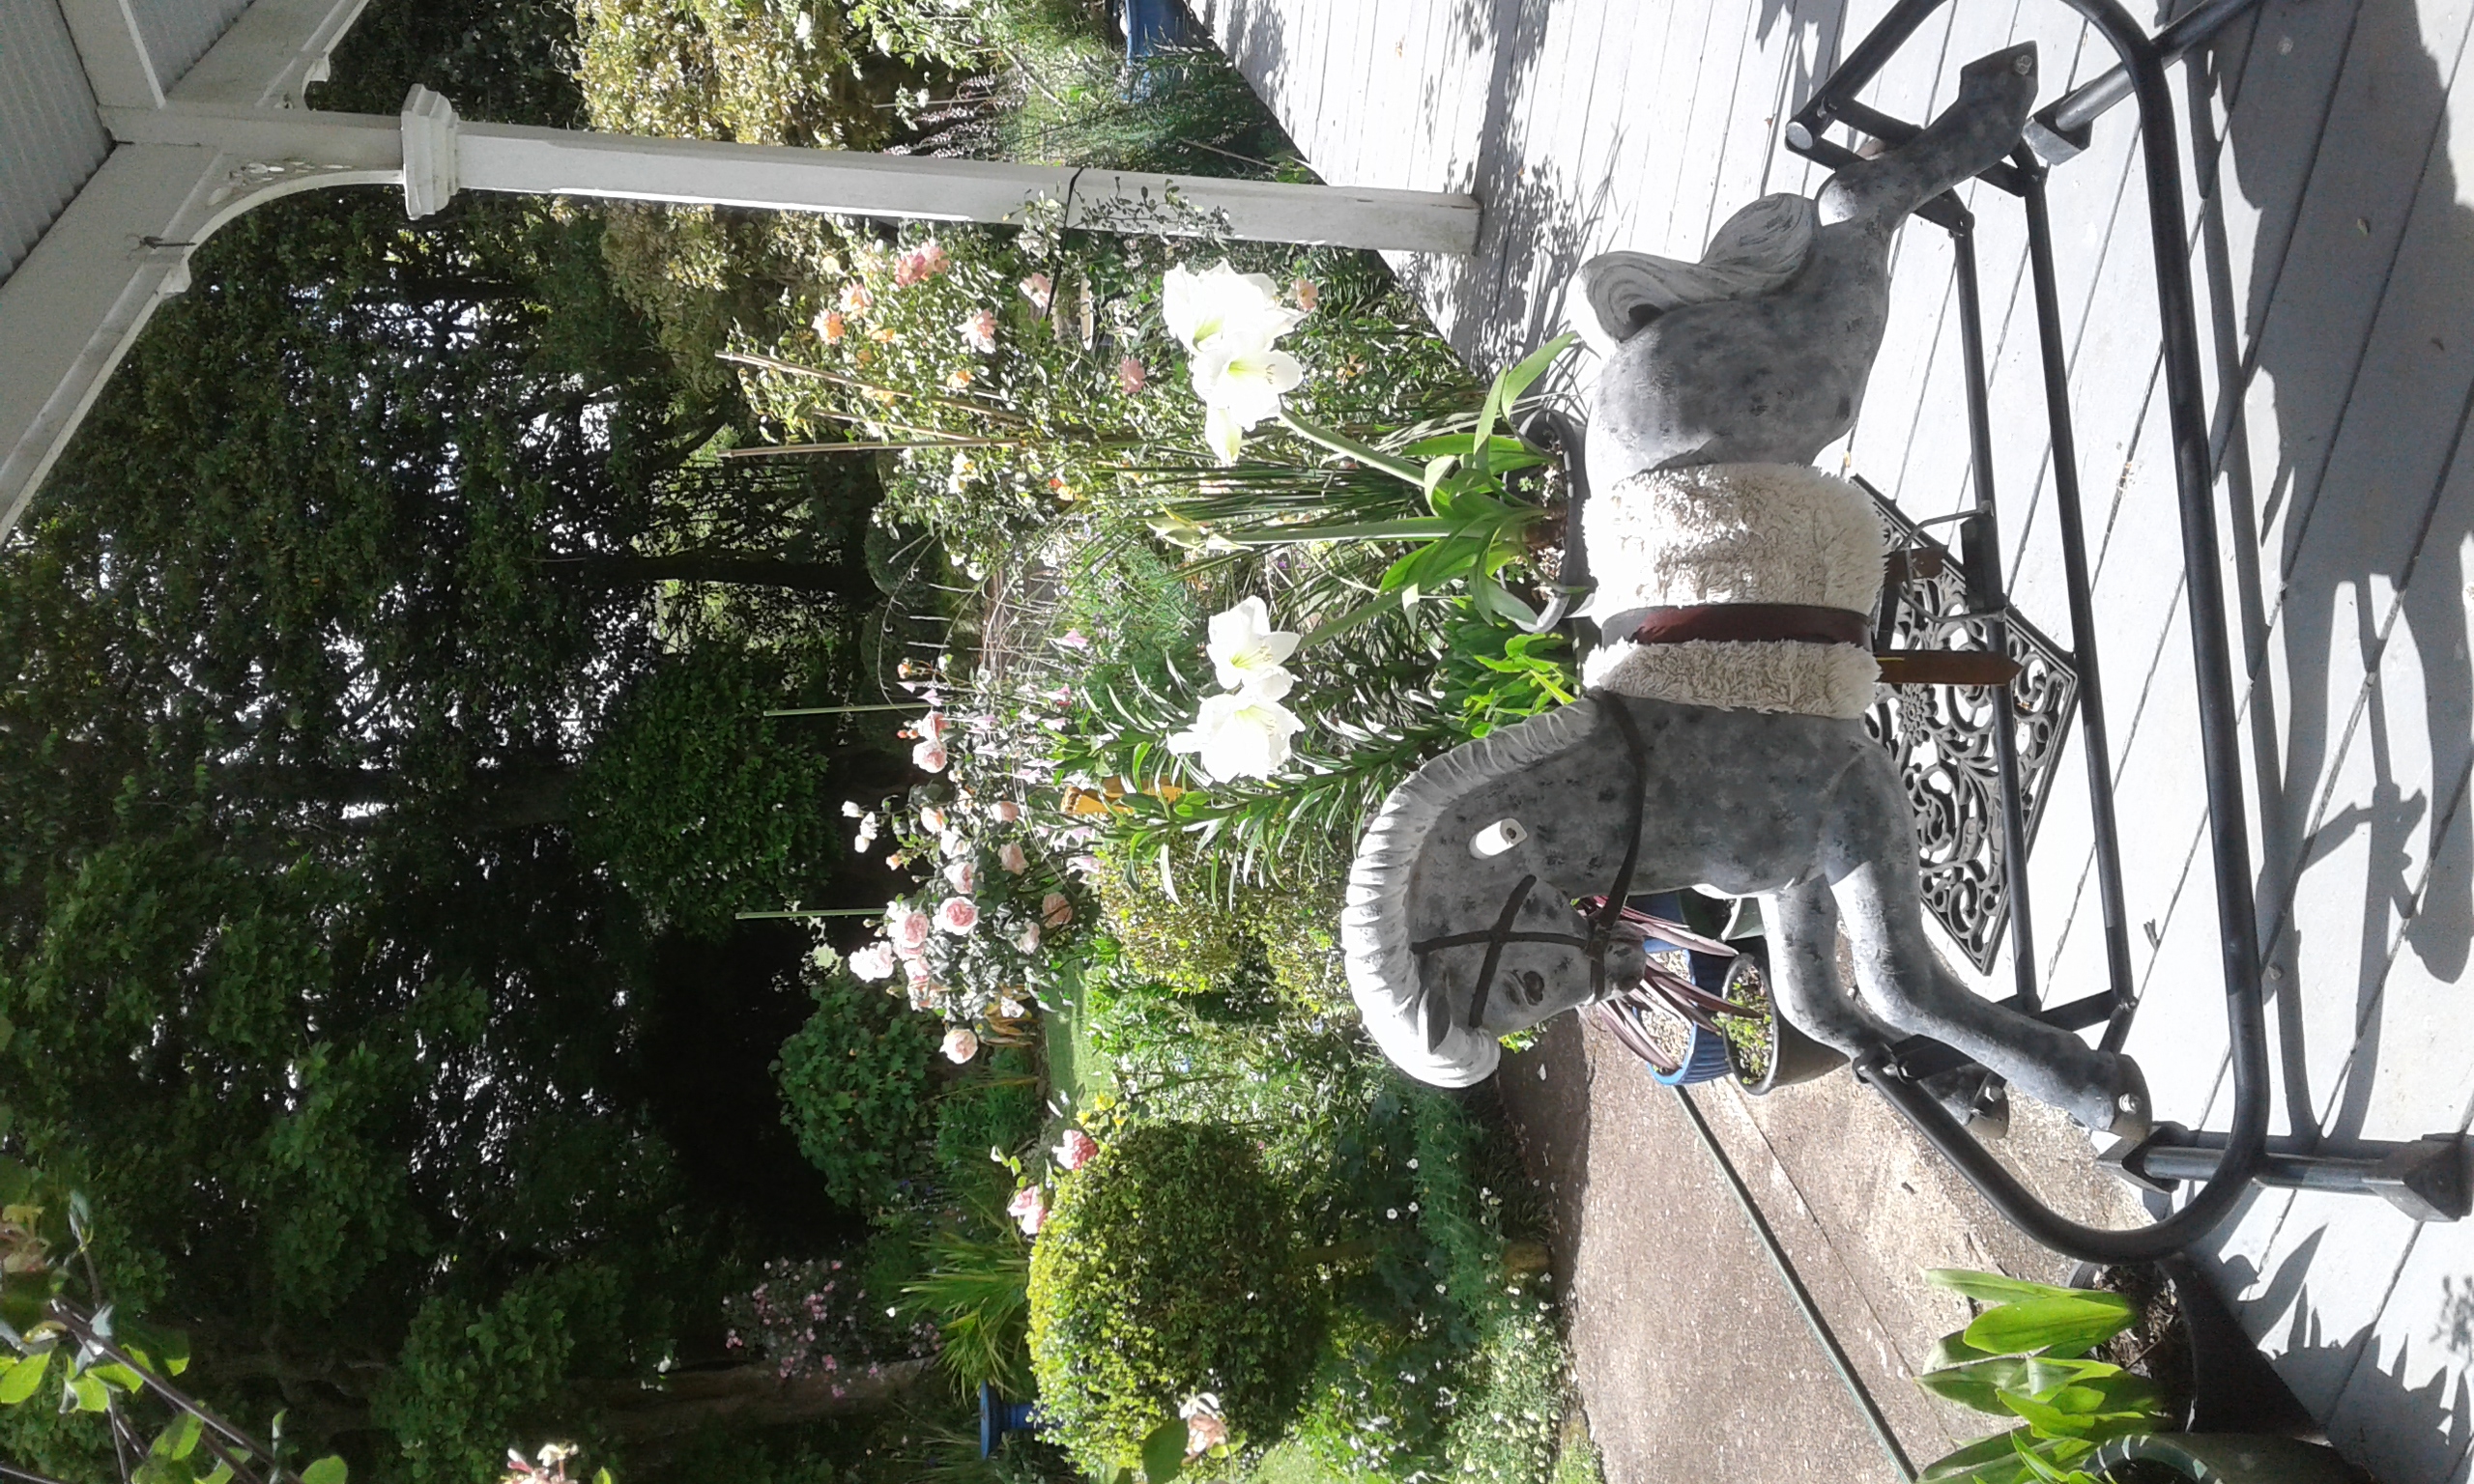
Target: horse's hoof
{"points": [[2134, 1113]]}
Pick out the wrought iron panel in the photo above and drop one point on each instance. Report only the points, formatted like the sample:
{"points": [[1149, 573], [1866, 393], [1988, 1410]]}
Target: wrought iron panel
{"points": [[1943, 740]]}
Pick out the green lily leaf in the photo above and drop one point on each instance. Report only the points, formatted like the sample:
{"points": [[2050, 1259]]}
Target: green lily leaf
{"points": [[2065, 1325]]}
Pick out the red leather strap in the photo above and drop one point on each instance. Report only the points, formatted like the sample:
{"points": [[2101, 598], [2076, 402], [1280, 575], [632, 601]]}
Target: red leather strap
{"points": [[1798, 623]]}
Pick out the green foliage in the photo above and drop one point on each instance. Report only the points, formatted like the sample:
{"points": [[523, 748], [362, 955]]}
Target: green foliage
{"points": [[716, 70], [977, 1291], [2024, 1358], [997, 1111], [854, 1087], [472, 1377], [1169, 1267]]}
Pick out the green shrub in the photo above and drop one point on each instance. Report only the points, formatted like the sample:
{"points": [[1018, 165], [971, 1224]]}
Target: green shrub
{"points": [[854, 1087], [1169, 1266], [999, 1111]]}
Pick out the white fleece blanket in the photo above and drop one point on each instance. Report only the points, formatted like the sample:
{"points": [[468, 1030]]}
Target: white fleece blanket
{"points": [[1736, 534]]}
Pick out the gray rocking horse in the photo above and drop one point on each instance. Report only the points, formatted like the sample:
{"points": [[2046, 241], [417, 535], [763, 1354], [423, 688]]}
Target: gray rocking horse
{"points": [[1719, 742]]}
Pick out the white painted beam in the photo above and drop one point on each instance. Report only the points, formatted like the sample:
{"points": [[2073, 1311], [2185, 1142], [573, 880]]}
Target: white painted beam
{"points": [[697, 172], [270, 56], [114, 53]]}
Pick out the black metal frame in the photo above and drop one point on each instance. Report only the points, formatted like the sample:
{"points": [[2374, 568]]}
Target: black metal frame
{"points": [[2428, 1179]]}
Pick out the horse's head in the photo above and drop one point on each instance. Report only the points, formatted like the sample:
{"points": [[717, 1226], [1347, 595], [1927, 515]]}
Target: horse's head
{"points": [[1458, 928]]}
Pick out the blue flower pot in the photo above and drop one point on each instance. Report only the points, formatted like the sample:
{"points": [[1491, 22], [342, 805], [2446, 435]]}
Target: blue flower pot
{"points": [[1707, 1062]]}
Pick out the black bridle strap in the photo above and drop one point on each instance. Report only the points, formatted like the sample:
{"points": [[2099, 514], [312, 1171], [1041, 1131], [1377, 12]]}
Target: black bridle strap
{"points": [[1495, 942]]}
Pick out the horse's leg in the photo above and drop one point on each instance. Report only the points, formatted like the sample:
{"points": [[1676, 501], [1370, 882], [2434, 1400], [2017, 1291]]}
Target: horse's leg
{"points": [[1981, 125], [1802, 924], [1869, 853]]}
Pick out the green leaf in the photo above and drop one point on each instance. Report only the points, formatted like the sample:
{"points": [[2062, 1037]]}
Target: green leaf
{"points": [[1993, 1288], [328, 1470], [1972, 1461], [601, 1477], [2067, 1324], [221, 1473], [117, 1375], [1163, 1452], [1952, 1350], [20, 1379], [91, 1395], [179, 1438]]}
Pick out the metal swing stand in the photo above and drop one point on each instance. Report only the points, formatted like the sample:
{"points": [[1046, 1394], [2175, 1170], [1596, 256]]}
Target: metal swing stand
{"points": [[2428, 1179]]}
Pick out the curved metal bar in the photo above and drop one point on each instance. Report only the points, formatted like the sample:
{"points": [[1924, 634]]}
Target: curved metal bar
{"points": [[2143, 63]]}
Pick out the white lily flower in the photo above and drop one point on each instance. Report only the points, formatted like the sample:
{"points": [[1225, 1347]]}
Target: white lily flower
{"points": [[1241, 734], [1245, 648], [1241, 380], [1199, 307]]}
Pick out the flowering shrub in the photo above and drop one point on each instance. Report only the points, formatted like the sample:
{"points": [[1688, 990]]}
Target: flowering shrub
{"points": [[818, 1318], [1169, 1266]]}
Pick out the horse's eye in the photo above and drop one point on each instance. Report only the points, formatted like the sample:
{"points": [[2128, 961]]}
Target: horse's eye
{"points": [[1532, 986], [1497, 838]]}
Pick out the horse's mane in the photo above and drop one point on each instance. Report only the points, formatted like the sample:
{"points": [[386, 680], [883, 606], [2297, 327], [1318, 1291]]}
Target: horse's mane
{"points": [[1374, 922]]}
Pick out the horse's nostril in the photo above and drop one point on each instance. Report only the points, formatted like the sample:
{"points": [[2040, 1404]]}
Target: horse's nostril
{"points": [[1532, 986]]}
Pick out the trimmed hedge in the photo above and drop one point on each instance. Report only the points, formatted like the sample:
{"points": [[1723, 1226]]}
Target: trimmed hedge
{"points": [[1170, 1266]]}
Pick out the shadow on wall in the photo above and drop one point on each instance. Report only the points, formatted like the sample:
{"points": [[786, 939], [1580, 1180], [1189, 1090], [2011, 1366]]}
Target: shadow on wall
{"points": [[2355, 509], [2422, 1433]]}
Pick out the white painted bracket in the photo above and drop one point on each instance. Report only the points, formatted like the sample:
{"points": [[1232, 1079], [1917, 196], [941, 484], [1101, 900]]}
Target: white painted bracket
{"points": [[430, 129]]}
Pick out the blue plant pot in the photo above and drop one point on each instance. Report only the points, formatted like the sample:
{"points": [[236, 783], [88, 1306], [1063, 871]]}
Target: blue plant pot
{"points": [[1705, 1061]]}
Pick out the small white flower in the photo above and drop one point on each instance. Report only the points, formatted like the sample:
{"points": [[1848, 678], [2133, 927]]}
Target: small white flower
{"points": [[1245, 649], [1240, 379]]}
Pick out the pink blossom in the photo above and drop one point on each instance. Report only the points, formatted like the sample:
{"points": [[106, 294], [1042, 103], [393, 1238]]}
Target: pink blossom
{"points": [[1075, 639], [910, 928], [1131, 376], [920, 263], [1029, 1210], [1055, 910], [1012, 858], [957, 915], [874, 962], [1305, 293], [1205, 1431], [935, 725], [1007, 811], [1028, 939], [855, 298], [960, 1045], [1076, 1149], [930, 758], [963, 877], [932, 819], [978, 329], [1086, 867], [1039, 289], [831, 326]]}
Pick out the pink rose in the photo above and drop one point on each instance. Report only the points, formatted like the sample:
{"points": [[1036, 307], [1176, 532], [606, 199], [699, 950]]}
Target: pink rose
{"points": [[933, 820], [831, 326], [1131, 376], [957, 915], [935, 725], [929, 756], [1054, 910], [1028, 939], [978, 329], [1012, 858], [855, 298], [874, 962], [920, 263], [1039, 289], [1007, 811], [963, 877], [1076, 1149], [1304, 292], [960, 1045], [1205, 1431], [911, 931], [1029, 1210]]}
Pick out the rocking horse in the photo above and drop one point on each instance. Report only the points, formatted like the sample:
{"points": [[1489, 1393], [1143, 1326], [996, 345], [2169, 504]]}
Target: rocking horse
{"points": [[1719, 743]]}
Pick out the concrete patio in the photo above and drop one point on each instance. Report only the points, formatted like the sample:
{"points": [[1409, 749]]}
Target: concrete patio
{"points": [[2334, 250]]}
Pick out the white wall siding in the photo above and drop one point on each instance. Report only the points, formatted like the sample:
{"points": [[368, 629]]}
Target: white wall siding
{"points": [[177, 32], [50, 139]]}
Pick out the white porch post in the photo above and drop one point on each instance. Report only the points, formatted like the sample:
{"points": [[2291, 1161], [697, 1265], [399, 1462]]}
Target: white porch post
{"points": [[440, 153]]}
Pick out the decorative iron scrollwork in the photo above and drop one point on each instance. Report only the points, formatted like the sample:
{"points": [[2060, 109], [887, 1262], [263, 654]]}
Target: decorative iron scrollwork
{"points": [[1944, 739]]}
